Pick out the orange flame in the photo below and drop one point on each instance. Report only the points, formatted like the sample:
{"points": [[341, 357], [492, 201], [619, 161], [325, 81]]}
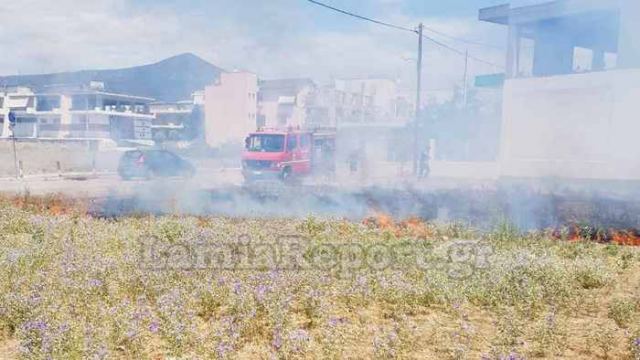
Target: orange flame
{"points": [[628, 237], [380, 221], [625, 237], [410, 227]]}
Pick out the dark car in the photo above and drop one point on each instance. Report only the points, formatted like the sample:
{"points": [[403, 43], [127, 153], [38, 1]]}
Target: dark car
{"points": [[153, 163]]}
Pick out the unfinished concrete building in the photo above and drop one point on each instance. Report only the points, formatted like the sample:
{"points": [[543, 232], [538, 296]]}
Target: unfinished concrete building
{"points": [[572, 88]]}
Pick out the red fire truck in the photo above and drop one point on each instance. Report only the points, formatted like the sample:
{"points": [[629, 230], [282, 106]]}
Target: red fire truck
{"points": [[288, 154]]}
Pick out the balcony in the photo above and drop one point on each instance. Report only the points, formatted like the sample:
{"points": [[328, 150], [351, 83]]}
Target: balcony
{"points": [[115, 110]]}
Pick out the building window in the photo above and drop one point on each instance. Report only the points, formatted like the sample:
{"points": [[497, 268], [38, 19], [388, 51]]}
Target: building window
{"points": [[610, 61], [582, 59], [261, 121], [48, 103], [80, 102]]}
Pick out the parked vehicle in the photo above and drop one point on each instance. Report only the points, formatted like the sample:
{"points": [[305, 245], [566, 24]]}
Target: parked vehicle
{"points": [[287, 154], [153, 163]]}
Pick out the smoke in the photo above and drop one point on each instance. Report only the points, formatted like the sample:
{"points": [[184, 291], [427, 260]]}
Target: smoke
{"points": [[564, 116], [483, 208]]}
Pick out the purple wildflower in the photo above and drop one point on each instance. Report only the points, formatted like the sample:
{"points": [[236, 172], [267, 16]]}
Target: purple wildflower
{"points": [[223, 348], [154, 327], [35, 325], [64, 327], [299, 335], [261, 292], [237, 287], [277, 339], [131, 334], [511, 356], [95, 283], [34, 299], [335, 321], [102, 352]]}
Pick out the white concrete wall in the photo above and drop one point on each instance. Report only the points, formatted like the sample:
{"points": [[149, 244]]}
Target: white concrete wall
{"points": [[572, 126], [66, 103], [228, 107], [4, 111], [464, 170], [629, 40]]}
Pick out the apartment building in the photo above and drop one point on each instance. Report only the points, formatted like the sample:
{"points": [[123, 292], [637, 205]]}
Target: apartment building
{"points": [[76, 112], [171, 120], [21, 101], [360, 101], [231, 108], [284, 102]]}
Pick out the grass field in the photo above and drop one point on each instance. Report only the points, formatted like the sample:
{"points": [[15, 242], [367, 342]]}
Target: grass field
{"points": [[75, 287]]}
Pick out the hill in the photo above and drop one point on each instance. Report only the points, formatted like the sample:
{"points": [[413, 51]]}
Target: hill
{"points": [[172, 79]]}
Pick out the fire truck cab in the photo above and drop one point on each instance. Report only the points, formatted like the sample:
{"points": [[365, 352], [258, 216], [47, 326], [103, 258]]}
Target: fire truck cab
{"points": [[271, 154]]}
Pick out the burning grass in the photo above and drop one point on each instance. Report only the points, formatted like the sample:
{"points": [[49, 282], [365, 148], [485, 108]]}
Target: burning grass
{"points": [[72, 286]]}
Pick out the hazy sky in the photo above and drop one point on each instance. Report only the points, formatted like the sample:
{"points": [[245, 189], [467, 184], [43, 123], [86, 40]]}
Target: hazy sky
{"points": [[274, 38]]}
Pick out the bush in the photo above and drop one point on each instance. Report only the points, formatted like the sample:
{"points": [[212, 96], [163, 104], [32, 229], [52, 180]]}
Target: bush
{"points": [[622, 311]]}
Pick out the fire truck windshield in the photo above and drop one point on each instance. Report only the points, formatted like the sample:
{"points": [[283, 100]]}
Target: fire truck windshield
{"points": [[266, 143]]}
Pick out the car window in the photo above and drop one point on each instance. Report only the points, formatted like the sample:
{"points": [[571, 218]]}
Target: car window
{"points": [[132, 155], [265, 143], [170, 157]]}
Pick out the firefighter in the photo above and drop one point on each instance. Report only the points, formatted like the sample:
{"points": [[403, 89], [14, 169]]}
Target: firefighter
{"points": [[424, 169], [353, 161]]}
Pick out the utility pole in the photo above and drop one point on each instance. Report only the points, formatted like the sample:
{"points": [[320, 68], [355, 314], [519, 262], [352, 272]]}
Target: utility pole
{"points": [[466, 72], [12, 125], [416, 149]]}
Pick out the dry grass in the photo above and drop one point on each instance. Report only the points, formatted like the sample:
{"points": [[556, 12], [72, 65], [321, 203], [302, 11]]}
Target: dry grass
{"points": [[72, 286]]}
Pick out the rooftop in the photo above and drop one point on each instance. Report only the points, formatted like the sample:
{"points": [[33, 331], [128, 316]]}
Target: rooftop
{"points": [[110, 95], [528, 11], [274, 89]]}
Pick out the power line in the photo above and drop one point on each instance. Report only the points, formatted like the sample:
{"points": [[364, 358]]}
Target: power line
{"points": [[472, 42], [462, 53], [397, 27]]}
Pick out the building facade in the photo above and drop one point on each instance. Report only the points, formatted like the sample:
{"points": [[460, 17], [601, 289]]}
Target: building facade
{"points": [[571, 89], [284, 102], [76, 113], [360, 101], [231, 108], [239, 103], [19, 100], [180, 120]]}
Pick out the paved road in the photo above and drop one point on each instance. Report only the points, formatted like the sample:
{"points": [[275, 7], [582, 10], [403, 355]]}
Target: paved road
{"points": [[102, 184]]}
